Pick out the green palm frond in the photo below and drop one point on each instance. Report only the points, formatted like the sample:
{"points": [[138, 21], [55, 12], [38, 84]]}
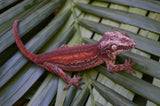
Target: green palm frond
{"points": [[47, 24]]}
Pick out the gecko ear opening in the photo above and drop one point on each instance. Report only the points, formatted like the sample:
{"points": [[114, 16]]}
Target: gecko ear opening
{"points": [[102, 44]]}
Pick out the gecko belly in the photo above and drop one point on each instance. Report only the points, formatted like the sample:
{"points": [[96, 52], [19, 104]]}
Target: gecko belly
{"points": [[78, 66]]}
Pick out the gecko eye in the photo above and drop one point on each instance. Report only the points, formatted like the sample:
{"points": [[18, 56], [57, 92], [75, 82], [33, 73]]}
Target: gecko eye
{"points": [[114, 47]]}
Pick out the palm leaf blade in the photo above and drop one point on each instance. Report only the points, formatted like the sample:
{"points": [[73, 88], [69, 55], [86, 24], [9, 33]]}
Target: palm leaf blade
{"points": [[144, 65], [29, 23], [121, 16], [62, 38], [144, 4], [33, 73], [142, 43], [21, 85], [80, 100], [4, 4], [36, 43], [46, 92], [112, 96], [24, 83], [134, 84], [15, 11], [10, 16]]}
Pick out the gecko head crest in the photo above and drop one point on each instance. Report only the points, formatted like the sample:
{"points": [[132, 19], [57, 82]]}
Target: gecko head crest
{"points": [[115, 43]]}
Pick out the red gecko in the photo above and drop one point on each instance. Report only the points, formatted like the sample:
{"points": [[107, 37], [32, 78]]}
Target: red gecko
{"points": [[81, 57]]}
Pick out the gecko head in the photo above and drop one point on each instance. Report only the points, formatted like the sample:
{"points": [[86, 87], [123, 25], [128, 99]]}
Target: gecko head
{"points": [[115, 43]]}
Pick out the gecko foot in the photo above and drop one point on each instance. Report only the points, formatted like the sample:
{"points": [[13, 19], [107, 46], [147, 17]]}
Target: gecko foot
{"points": [[128, 66], [75, 81]]}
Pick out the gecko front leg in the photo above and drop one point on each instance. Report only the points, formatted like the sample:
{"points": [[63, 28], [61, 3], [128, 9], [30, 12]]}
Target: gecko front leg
{"points": [[110, 63], [66, 78]]}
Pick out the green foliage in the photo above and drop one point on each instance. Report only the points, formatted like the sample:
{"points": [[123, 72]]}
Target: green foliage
{"points": [[47, 24]]}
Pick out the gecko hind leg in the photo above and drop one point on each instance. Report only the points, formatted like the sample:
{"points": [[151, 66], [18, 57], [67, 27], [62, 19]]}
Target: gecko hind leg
{"points": [[66, 78]]}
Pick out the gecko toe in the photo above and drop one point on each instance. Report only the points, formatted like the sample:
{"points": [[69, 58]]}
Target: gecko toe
{"points": [[129, 65], [67, 86], [75, 81]]}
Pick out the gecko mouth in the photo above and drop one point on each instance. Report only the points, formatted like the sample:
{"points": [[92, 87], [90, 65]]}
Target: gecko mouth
{"points": [[125, 47]]}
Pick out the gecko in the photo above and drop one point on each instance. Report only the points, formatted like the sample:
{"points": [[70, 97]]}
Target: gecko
{"points": [[81, 57]]}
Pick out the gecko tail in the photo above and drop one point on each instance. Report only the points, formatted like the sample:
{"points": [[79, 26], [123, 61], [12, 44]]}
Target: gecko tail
{"points": [[20, 45]]}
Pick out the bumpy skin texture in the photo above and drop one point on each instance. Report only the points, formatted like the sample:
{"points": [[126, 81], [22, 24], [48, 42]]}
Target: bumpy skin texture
{"points": [[81, 57]]}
